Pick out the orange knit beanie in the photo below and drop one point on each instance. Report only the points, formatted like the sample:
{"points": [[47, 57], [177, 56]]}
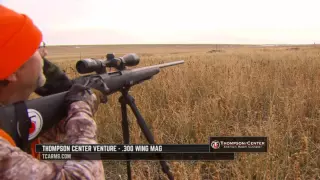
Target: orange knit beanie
{"points": [[19, 40]]}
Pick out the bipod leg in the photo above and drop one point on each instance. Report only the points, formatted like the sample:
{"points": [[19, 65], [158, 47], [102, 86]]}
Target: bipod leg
{"points": [[146, 132], [125, 127]]}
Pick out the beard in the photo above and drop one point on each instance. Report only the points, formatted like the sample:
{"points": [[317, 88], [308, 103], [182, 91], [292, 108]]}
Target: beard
{"points": [[42, 78]]}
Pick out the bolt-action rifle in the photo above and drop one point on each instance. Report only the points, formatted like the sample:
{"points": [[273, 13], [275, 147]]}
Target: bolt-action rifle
{"points": [[45, 112]]}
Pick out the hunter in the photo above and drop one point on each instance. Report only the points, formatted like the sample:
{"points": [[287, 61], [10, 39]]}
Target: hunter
{"points": [[21, 73]]}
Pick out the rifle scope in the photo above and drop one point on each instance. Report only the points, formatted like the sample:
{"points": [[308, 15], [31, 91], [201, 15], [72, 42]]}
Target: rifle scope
{"points": [[99, 65]]}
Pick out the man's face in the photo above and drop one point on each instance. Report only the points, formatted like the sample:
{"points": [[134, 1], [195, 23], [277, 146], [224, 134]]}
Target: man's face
{"points": [[24, 81], [30, 75]]}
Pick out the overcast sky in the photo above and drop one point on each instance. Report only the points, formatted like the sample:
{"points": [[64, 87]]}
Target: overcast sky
{"points": [[173, 21]]}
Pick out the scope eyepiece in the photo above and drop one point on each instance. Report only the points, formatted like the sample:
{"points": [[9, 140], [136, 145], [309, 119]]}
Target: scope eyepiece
{"points": [[89, 65]]}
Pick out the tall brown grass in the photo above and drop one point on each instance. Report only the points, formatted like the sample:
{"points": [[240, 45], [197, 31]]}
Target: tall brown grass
{"points": [[273, 92]]}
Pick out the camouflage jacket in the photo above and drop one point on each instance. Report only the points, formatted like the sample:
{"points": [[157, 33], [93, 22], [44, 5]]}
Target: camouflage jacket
{"points": [[80, 129]]}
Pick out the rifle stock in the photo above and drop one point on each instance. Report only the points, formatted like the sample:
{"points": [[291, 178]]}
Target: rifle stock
{"points": [[49, 110]]}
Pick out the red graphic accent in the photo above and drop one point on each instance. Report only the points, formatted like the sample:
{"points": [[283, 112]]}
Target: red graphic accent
{"points": [[33, 127], [215, 144]]}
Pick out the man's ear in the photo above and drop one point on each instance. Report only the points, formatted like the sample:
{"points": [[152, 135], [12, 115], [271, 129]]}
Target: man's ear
{"points": [[12, 78]]}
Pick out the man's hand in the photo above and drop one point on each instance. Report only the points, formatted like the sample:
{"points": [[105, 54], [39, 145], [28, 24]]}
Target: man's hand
{"points": [[79, 92], [76, 93]]}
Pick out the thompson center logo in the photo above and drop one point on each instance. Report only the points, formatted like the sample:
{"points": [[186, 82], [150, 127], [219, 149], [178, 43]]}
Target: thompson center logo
{"points": [[215, 144], [36, 123], [237, 144]]}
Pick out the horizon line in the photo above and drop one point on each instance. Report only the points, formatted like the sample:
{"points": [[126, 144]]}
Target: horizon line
{"points": [[239, 44]]}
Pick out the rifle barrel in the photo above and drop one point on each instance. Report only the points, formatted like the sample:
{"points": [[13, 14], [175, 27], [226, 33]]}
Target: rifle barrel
{"points": [[167, 64], [170, 64]]}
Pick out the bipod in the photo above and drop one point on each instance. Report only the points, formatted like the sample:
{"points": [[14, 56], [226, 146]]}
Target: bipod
{"points": [[125, 99]]}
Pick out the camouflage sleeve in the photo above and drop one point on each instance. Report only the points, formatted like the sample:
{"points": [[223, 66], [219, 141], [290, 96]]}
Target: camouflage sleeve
{"points": [[56, 134], [80, 129]]}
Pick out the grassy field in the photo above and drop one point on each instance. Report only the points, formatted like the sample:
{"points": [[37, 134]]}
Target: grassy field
{"points": [[218, 91]]}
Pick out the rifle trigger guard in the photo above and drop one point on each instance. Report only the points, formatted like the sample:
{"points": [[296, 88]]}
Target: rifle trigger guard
{"points": [[104, 90], [95, 80]]}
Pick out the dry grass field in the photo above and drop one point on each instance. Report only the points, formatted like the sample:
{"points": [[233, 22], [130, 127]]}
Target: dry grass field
{"points": [[218, 91]]}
